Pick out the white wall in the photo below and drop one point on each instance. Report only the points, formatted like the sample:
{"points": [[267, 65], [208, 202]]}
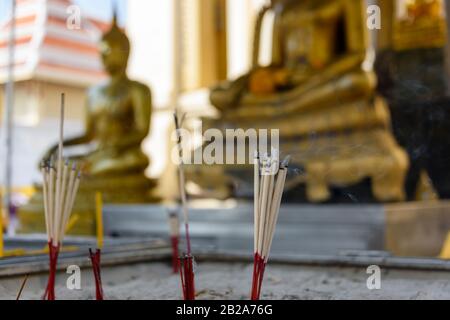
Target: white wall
{"points": [[241, 17], [238, 37], [150, 28]]}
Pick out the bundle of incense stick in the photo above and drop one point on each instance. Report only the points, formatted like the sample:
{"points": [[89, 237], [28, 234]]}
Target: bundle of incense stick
{"points": [[96, 255], [187, 276], [60, 184], [174, 230], [95, 259], [270, 178], [187, 260]]}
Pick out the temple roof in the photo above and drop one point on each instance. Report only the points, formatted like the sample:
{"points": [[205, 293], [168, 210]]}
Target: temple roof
{"points": [[47, 50]]}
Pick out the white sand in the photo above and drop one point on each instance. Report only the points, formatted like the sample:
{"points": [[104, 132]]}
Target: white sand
{"points": [[232, 281]]}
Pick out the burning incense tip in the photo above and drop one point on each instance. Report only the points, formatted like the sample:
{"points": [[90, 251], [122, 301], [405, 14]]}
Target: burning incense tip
{"points": [[45, 165], [174, 224], [179, 121], [286, 161]]}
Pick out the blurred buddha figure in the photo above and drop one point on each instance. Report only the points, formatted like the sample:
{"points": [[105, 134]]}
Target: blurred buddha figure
{"points": [[422, 26], [118, 116], [313, 40], [109, 152], [318, 50], [319, 91], [419, 9]]}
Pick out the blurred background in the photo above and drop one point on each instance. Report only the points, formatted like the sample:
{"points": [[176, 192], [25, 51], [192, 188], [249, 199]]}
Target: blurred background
{"points": [[51, 59], [183, 49]]}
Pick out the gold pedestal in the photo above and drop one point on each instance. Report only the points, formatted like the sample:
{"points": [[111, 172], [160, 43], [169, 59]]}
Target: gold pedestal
{"points": [[417, 229]]}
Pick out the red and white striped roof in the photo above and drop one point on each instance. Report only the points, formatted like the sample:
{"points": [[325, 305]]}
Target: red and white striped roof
{"points": [[46, 49]]}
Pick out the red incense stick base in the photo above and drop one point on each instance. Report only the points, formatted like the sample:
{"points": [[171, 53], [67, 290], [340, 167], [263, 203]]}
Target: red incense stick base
{"points": [[186, 267], [53, 254], [175, 261], [95, 259], [259, 267]]}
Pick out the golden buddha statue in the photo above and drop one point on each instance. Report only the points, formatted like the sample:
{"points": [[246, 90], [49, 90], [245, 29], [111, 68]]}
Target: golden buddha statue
{"points": [[118, 115], [423, 26], [420, 9], [319, 91]]}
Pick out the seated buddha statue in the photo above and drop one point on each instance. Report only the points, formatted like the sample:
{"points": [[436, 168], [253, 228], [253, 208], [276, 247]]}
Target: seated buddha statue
{"points": [[117, 116], [109, 154], [319, 91], [311, 62]]}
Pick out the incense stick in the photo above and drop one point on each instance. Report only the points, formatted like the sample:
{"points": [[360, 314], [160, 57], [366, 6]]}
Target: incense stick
{"points": [[96, 264], [275, 210], [187, 261], [96, 255], [174, 231], [2, 240], [73, 195], [51, 203], [269, 182], [182, 183], [60, 188], [256, 200], [68, 199], [44, 171], [59, 181], [24, 282]]}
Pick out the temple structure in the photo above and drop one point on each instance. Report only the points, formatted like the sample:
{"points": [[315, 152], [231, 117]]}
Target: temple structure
{"points": [[321, 95], [50, 58]]}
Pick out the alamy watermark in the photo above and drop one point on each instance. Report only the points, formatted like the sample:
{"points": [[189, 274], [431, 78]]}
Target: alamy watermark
{"points": [[73, 21], [230, 146], [374, 280], [374, 17], [74, 280]]}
